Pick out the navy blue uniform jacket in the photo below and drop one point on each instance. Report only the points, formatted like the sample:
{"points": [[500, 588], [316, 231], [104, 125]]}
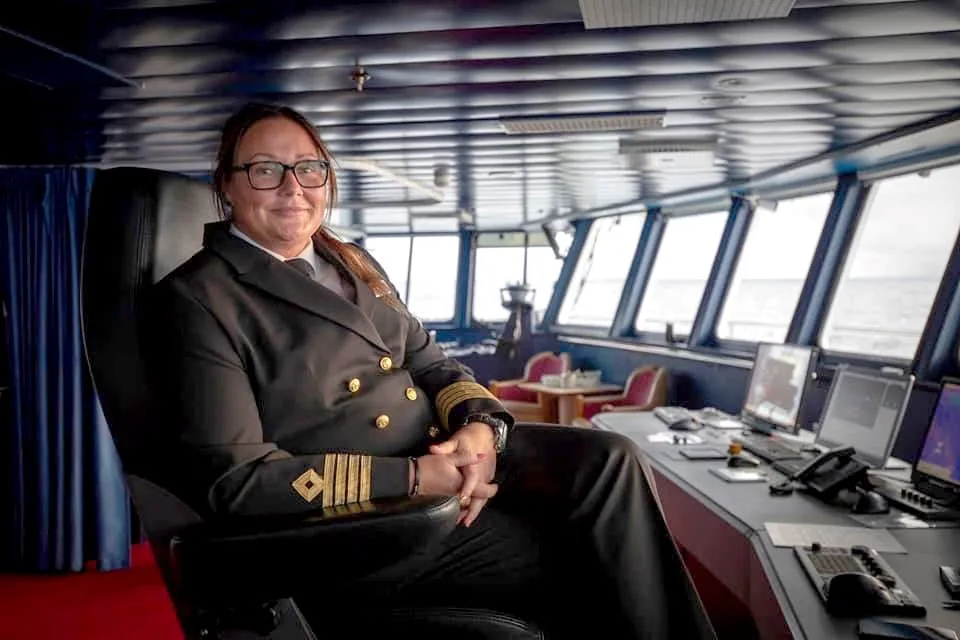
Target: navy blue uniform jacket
{"points": [[279, 396]]}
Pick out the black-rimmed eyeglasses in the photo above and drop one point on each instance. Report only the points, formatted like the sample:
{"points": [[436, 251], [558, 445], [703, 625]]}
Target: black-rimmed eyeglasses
{"points": [[265, 175]]}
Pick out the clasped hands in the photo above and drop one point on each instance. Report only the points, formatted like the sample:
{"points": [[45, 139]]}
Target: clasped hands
{"points": [[463, 466]]}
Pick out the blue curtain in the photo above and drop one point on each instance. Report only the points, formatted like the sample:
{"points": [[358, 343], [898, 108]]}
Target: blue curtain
{"points": [[66, 502]]}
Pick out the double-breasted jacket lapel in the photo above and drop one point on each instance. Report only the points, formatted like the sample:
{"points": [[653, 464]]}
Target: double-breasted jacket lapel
{"points": [[257, 269]]}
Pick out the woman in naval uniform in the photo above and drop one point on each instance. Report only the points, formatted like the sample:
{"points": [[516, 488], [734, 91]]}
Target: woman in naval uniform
{"points": [[297, 380]]}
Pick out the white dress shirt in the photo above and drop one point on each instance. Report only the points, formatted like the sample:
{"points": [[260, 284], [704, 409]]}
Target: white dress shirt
{"points": [[324, 272]]}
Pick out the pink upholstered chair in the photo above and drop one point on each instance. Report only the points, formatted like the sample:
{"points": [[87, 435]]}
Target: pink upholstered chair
{"points": [[525, 405], [645, 389]]}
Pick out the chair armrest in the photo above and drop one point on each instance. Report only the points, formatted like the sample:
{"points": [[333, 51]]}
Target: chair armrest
{"points": [[261, 559], [494, 385], [509, 390]]}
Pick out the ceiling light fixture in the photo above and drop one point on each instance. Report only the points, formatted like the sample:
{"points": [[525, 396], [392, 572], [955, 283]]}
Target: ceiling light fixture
{"points": [[586, 123], [359, 76], [606, 14], [731, 83], [722, 100]]}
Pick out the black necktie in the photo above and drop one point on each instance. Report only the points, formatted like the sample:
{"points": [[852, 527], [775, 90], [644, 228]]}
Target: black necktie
{"points": [[302, 266]]}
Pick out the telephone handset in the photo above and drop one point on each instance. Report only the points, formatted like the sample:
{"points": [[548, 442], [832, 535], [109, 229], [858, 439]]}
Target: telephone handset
{"points": [[825, 479], [824, 458]]}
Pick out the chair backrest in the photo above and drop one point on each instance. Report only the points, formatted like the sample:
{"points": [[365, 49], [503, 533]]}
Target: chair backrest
{"points": [[646, 386], [545, 363], [141, 224]]}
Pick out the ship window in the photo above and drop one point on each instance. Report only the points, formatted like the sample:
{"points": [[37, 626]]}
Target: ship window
{"points": [[594, 293], [393, 254], [895, 265], [431, 262], [680, 272], [771, 270], [500, 262]]}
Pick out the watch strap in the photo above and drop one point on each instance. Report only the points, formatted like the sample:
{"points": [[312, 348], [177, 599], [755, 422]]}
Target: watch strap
{"points": [[499, 428]]}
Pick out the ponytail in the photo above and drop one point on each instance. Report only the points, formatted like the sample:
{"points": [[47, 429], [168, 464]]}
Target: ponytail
{"points": [[360, 266]]}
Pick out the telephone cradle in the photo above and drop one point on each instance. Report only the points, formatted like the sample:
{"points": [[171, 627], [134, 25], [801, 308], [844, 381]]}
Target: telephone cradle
{"points": [[827, 474]]}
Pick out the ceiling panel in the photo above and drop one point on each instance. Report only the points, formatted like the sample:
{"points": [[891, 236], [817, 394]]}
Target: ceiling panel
{"points": [[150, 82]]}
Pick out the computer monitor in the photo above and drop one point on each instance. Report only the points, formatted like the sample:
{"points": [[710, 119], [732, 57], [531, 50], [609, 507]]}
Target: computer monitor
{"points": [[777, 386], [864, 410], [937, 470]]}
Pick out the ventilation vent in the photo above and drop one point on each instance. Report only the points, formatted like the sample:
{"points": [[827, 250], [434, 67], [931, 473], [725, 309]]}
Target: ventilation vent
{"points": [[605, 14], [582, 124]]}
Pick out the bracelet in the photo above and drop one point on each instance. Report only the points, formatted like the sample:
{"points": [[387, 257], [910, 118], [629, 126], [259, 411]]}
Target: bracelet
{"points": [[415, 491]]}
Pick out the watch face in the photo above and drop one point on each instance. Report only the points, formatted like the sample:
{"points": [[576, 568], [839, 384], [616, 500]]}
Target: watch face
{"points": [[501, 436]]}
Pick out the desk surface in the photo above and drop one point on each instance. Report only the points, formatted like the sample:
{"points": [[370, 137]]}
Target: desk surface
{"points": [[747, 506], [539, 387]]}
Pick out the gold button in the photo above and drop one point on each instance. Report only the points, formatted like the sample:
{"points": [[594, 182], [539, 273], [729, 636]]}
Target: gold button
{"points": [[433, 432], [411, 393], [354, 385], [383, 421], [386, 363]]}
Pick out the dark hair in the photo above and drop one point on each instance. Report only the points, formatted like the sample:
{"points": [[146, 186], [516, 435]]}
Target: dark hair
{"points": [[234, 128]]}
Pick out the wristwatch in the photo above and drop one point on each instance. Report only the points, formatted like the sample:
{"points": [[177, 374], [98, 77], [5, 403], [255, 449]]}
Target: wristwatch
{"points": [[499, 428]]}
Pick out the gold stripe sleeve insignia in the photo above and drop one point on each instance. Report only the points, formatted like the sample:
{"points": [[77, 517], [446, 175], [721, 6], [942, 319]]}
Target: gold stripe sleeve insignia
{"points": [[366, 476], [452, 395], [347, 479], [353, 478], [340, 480], [345, 509]]}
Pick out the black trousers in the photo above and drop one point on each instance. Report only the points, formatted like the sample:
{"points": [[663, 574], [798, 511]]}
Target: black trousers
{"points": [[573, 541]]}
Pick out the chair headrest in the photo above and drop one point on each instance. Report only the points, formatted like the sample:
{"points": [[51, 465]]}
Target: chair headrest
{"points": [[157, 215]]}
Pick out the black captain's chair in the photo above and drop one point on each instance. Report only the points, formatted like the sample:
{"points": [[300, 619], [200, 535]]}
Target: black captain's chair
{"points": [[231, 581]]}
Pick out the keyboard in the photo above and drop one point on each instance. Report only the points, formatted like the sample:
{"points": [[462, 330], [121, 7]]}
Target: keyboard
{"points": [[768, 449], [790, 466], [822, 563], [671, 415]]}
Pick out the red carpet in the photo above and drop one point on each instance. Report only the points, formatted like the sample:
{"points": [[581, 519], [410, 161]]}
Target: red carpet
{"points": [[126, 604]]}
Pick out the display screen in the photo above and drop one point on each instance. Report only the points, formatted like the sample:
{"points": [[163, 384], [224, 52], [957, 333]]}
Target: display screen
{"points": [[864, 410], [780, 374], [940, 455]]}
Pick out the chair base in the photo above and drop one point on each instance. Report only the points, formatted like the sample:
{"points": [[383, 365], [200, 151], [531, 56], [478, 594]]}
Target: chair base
{"points": [[284, 621], [280, 621], [442, 623]]}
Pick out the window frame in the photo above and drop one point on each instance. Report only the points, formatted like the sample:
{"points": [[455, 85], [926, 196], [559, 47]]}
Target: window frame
{"points": [[472, 320], [659, 338], [747, 348], [594, 331], [451, 322], [831, 357]]}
